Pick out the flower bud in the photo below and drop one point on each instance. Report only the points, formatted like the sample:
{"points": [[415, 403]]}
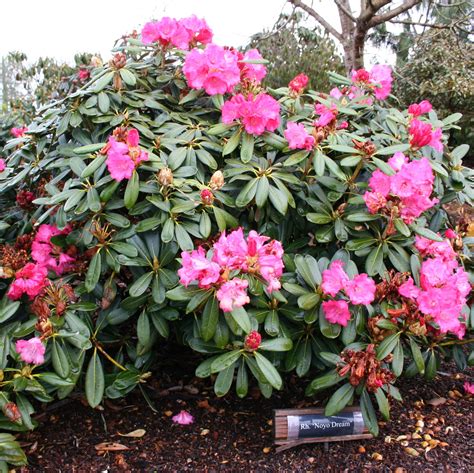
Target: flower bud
{"points": [[165, 177], [207, 197], [217, 181], [252, 340], [11, 411], [96, 61]]}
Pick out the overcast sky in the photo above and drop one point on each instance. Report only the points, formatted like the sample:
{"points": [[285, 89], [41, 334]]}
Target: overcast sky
{"points": [[61, 28]]}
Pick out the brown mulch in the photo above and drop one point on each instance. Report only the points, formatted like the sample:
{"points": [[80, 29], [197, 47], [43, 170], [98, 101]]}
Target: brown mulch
{"points": [[232, 434]]}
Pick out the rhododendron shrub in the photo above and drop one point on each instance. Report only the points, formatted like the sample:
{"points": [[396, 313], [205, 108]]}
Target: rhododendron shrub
{"points": [[272, 231]]}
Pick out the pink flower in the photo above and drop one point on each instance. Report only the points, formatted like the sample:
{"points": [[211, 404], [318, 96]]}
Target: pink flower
{"points": [[46, 253], [374, 201], [409, 290], [361, 289], [334, 278], [233, 294], [449, 233], [231, 251], [298, 137], [84, 74], [360, 75], [166, 31], [183, 418], [412, 184], [417, 109], [327, 115], [30, 280], [258, 113], [422, 134], [442, 249], [381, 76], [215, 69], [252, 340], [18, 132], [198, 30], [397, 161], [336, 93], [298, 83], [252, 72], [123, 158], [380, 183], [2, 165], [343, 125], [196, 267], [379, 79], [31, 351], [468, 387], [336, 312]]}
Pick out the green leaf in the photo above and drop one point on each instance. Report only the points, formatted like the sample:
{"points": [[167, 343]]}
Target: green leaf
{"points": [[60, 360], [8, 308], [103, 102], [368, 413], [339, 400], [87, 149], [374, 262], [141, 284], [128, 77], [246, 151], [242, 381], [398, 359], [393, 149], [247, 193], [417, 356], [242, 319], [94, 383], [182, 237], [263, 188], [224, 381], [383, 404], [93, 272], [143, 329], [323, 382], [276, 344], [210, 318], [387, 346], [268, 371], [132, 190], [427, 233], [232, 143], [223, 362], [103, 81]]}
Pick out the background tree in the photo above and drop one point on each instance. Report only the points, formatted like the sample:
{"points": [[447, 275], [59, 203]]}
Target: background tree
{"points": [[293, 48], [354, 29]]}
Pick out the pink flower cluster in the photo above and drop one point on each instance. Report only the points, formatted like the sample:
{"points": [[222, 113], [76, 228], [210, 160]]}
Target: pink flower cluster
{"points": [[359, 290], [33, 277], [46, 253], [423, 134], [2, 165], [298, 137], [379, 79], [218, 70], [255, 255], [248, 71], [18, 132], [31, 351], [298, 83], [123, 158], [444, 286], [326, 115], [29, 280], [214, 69], [411, 186], [180, 33], [257, 113], [417, 109]]}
